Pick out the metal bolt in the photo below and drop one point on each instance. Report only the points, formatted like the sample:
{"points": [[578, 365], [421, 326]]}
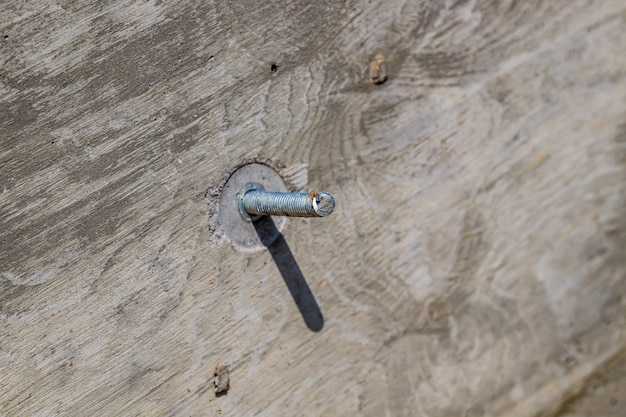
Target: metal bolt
{"points": [[254, 202]]}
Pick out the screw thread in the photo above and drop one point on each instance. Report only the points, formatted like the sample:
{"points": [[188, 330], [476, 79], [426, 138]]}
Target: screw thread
{"points": [[288, 204]]}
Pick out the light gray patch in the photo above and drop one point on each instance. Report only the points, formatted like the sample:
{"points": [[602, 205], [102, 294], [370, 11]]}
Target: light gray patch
{"points": [[245, 234]]}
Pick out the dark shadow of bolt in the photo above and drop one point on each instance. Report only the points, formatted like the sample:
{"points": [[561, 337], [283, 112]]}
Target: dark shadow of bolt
{"points": [[290, 272]]}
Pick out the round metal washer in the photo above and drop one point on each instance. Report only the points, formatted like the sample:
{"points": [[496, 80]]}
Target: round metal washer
{"points": [[247, 216], [261, 231]]}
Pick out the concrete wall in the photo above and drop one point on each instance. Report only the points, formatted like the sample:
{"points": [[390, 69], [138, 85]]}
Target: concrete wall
{"points": [[475, 265]]}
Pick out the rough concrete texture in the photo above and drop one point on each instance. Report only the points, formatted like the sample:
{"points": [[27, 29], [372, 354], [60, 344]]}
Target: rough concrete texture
{"points": [[474, 265]]}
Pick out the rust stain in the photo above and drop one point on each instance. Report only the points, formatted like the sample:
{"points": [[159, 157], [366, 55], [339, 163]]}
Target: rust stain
{"points": [[378, 69], [222, 379]]}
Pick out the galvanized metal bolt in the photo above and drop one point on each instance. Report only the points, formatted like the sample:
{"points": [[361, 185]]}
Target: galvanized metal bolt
{"points": [[254, 202]]}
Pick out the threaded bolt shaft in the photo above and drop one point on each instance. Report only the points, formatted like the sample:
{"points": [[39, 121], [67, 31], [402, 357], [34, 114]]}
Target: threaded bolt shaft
{"points": [[254, 202]]}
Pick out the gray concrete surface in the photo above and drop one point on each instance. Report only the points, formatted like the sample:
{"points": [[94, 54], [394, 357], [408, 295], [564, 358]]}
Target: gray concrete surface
{"points": [[474, 265]]}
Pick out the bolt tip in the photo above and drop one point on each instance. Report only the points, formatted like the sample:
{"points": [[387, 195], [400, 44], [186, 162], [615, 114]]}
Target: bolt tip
{"points": [[323, 204]]}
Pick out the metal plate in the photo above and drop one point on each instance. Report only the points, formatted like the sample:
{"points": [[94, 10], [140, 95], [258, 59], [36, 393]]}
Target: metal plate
{"points": [[245, 234]]}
